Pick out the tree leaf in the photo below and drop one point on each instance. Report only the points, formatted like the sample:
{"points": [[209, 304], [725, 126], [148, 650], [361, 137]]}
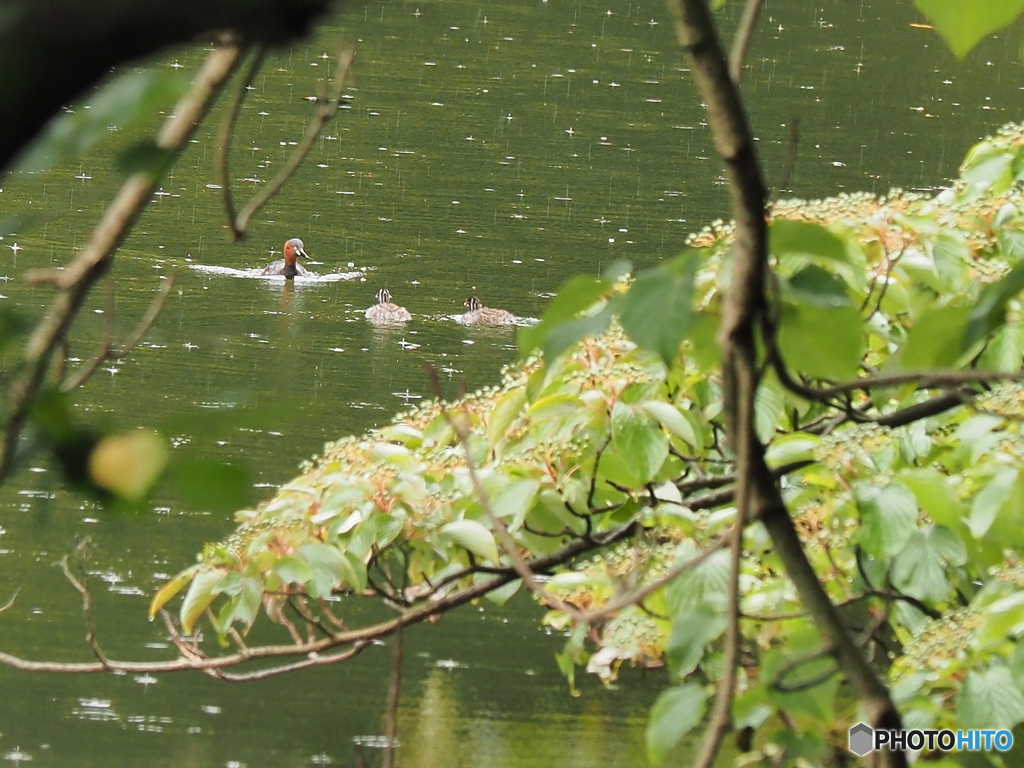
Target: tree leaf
{"points": [[672, 420], [124, 102], [919, 570], [962, 24], [691, 632], [637, 441], [989, 312], [204, 589], [936, 340], [769, 406], [473, 536], [821, 342], [129, 464], [990, 699], [803, 237], [576, 295], [326, 563], [293, 570], [675, 713], [514, 500], [657, 311], [170, 589], [934, 495], [989, 500], [888, 518]]}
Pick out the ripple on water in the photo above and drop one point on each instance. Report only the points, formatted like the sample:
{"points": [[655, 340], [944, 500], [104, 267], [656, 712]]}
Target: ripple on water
{"points": [[257, 274]]}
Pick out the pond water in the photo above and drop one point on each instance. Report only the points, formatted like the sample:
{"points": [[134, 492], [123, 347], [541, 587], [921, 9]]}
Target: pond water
{"points": [[495, 148]]}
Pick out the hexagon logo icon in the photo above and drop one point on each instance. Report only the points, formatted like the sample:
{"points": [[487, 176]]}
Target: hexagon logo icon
{"points": [[862, 737]]}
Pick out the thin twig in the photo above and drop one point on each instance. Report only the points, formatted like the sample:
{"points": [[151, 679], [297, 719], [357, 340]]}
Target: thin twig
{"points": [[107, 351], [90, 627], [792, 153], [394, 693], [75, 282], [744, 34], [505, 540], [10, 602], [227, 128], [321, 117], [637, 595]]}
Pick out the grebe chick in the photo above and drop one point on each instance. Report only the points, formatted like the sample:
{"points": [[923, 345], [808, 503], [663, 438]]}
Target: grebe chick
{"points": [[478, 314], [287, 266], [386, 312]]}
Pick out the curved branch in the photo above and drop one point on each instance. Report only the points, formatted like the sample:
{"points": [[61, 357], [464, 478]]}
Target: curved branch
{"points": [[227, 128], [322, 116], [75, 282], [744, 308]]}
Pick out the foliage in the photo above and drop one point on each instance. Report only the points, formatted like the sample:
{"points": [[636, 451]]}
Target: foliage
{"points": [[915, 530]]}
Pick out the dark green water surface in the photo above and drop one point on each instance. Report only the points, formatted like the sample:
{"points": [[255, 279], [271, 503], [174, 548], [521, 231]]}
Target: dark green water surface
{"points": [[493, 147]]}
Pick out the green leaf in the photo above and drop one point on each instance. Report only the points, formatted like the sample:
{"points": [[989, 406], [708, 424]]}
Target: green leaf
{"points": [[473, 536], [327, 566], [934, 495], [989, 312], [638, 443], [769, 406], [676, 712], [205, 587], [989, 500], [1003, 619], [821, 342], [919, 570], [657, 311], [691, 632], [573, 297], [508, 407], [353, 572], [293, 570], [672, 420], [936, 340], [514, 500], [146, 157], [126, 101], [212, 485], [819, 287], [796, 446], [989, 699], [566, 334], [963, 23], [804, 238], [888, 518]]}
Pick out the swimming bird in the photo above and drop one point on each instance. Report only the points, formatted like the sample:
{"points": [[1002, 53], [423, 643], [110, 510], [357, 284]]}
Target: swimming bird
{"points": [[287, 266], [479, 314], [386, 312]]}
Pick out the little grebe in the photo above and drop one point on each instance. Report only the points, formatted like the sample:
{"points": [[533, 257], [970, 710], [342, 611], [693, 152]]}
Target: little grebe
{"points": [[287, 266], [386, 312], [479, 314]]}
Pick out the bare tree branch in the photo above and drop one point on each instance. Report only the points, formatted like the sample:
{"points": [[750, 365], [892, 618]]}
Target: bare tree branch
{"points": [[227, 128], [107, 351], [324, 113], [90, 628], [744, 34], [744, 308], [10, 603], [394, 692], [75, 282]]}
